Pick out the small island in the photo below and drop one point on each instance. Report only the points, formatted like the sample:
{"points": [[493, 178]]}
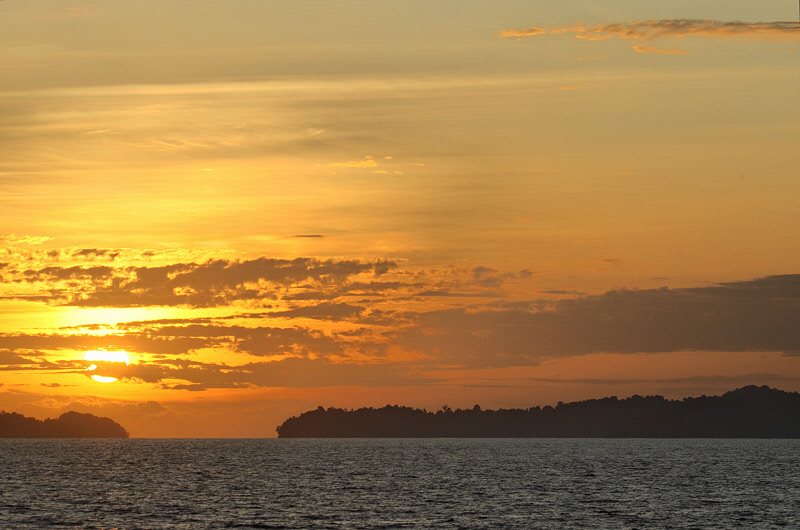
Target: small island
{"points": [[749, 412], [68, 425]]}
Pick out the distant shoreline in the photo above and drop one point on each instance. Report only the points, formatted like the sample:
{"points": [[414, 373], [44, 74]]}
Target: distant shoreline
{"points": [[749, 412], [68, 425]]}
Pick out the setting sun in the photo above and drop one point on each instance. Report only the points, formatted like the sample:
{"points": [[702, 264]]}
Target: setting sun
{"points": [[103, 357]]}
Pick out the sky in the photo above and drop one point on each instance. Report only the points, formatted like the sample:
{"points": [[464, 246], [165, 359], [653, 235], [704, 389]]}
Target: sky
{"points": [[273, 205]]}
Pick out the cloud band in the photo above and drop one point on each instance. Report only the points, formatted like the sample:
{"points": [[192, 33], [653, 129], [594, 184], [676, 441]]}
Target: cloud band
{"points": [[648, 30]]}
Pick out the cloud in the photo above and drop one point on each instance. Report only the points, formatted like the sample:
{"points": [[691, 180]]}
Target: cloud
{"points": [[324, 311], [9, 358], [258, 341], [366, 163], [50, 274], [210, 284], [13, 240], [91, 253], [22, 343], [530, 32], [727, 380], [450, 317], [648, 30], [288, 373], [581, 59], [756, 315], [649, 50], [181, 374]]}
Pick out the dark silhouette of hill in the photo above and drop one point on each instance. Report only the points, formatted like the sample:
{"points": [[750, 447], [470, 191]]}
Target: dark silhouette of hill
{"points": [[68, 425], [749, 412]]}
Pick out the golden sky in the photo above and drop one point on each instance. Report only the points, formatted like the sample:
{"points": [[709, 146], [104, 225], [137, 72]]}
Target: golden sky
{"points": [[275, 205]]}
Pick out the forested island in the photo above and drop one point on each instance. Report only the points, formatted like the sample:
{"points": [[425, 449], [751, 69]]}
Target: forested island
{"points": [[68, 425], [749, 412]]}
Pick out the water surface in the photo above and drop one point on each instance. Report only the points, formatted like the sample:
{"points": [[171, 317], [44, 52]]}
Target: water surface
{"points": [[399, 483]]}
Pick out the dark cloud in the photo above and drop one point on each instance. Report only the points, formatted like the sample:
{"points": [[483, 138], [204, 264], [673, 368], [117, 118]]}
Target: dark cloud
{"points": [[181, 321], [490, 278], [50, 274], [324, 311], [373, 288], [222, 274], [386, 318], [288, 373], [311, 235], [757, 315], [92, 253], [258, 341], [136, 342], [296, 341], [521, 305], [728, 380], [167, 321], [368, 288], [445, 293], [41, 364], [311, 295], [11, 358]]}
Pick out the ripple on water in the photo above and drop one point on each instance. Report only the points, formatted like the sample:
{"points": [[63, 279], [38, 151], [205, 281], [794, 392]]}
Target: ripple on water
{"points": [[492, 483]]}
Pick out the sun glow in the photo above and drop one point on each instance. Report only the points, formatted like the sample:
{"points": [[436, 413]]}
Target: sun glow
{"points": [[104, 358]]}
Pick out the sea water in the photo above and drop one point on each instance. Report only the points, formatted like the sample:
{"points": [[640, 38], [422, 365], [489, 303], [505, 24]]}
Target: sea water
{"points": [[399, 483]]}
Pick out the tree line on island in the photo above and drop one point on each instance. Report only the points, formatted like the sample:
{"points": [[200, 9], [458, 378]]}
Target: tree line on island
{"points": [[748, 412], [68, 425]]}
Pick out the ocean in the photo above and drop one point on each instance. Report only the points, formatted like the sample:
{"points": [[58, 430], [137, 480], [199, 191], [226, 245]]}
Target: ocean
{"points": [[400, 483]]}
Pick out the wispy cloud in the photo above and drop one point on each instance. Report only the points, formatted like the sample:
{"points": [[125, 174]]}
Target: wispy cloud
{"points": [[648, 30], [366, 163], [649, 50], [581, 59]]}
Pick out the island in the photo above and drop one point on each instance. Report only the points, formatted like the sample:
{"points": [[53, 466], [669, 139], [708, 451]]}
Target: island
{"points": [[749, 412], [68, 425]]}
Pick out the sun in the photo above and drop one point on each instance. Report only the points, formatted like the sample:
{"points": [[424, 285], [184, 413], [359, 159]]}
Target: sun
{"points": [[106, 361]]}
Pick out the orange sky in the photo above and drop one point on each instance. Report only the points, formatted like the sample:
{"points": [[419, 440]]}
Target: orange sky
{"points": [[276, 205]]}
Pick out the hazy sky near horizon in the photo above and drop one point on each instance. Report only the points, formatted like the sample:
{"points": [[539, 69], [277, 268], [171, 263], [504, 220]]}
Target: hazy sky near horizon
{"points": [[275, 205]]}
